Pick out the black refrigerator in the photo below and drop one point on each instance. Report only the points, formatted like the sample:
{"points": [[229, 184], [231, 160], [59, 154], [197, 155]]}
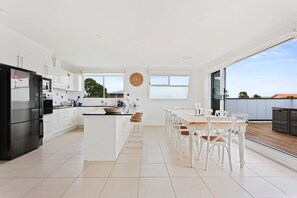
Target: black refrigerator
{"points": [[21, 111]]}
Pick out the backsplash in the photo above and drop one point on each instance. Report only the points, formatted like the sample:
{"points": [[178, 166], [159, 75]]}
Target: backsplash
{"points": [[63, 95]]}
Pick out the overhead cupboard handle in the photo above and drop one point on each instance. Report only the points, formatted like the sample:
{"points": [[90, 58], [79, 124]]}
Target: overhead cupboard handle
{"points": [[18, 61], [22, 62]]}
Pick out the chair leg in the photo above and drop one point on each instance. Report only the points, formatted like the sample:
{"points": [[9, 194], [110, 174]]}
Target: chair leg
{"points": [[180, 147], [207, 156], [219, 152], [223, 154], [197, 148], [200, 150], [229, 154]]}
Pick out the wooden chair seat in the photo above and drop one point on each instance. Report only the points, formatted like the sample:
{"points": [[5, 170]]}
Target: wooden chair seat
{"points": [[213, 138], [187, 133]]}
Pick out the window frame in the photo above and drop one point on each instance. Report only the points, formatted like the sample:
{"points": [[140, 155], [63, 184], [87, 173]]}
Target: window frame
{"points": [[168, 85], [103, 75]]}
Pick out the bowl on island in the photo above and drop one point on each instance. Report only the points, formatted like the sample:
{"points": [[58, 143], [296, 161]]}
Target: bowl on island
{"points": [[113, 109]]}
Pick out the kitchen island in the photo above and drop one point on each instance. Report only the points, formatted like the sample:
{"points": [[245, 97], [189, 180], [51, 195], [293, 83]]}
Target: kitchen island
{"points": [[105, 135]]}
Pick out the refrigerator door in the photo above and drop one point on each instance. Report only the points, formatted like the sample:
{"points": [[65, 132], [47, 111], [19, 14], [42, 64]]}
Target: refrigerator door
{"points": [[25, 137], [25, 96], [4, 110]]}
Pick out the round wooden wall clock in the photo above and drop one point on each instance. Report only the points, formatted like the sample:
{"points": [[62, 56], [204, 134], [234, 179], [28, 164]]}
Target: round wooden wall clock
{"points": [[136, 79]]}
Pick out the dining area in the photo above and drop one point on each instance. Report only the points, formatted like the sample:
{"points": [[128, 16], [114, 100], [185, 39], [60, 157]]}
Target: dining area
{"points": [[193, 129]]}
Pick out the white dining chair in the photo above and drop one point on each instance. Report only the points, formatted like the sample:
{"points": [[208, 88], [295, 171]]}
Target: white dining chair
{"points": [[218, 134], [183, 135], [179, 108], [208, 112], [220, 113], [240, 116]]}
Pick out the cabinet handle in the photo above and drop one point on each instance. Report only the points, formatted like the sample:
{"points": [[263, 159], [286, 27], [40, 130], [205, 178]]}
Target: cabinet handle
{"points": [[18, 61], [22, 62]]}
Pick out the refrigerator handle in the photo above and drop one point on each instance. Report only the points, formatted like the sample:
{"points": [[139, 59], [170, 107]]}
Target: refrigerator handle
{"points": [[40, 128], [40, 98]]}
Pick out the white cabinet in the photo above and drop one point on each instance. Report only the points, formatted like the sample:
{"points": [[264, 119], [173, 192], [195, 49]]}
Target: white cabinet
{"points": [[19, 51], [59, 121], [67, 118], [76, 82], [51, 124], [61, 80], [81, 110], [47, 126], [9, 48]]}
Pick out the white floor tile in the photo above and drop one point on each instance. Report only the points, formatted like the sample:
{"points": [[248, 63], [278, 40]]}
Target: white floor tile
{"points": [[259, 187]]}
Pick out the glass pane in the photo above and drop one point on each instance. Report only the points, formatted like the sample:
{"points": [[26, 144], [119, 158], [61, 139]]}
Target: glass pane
{"points": [[215, 90], [159, 80], [169, 92], [179, 80], [114, 86], [94, 86]]}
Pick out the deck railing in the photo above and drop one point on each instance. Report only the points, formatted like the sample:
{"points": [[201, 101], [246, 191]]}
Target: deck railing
{"points": [[258, 109]]}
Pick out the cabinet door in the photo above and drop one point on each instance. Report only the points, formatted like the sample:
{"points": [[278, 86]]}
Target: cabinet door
{"points": [[9, 48], [75, 80], [79, 116], [47, 126]]}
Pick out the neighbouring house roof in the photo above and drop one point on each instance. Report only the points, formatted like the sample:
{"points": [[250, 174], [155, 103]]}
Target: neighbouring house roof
{"points": [[117, 92], [283, 95]]}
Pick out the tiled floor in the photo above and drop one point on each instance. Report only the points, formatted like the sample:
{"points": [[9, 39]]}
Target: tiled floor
{"points": [[57, 169]]}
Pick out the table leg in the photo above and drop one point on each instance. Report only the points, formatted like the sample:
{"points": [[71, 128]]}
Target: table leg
{"points": [[192, 156], [241, 142]]}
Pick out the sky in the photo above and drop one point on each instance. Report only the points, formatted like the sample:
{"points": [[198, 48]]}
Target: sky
{"points": [[267, 73]]}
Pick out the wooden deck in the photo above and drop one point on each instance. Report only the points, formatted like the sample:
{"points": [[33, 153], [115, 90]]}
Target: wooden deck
{"points": [[262, 133]]}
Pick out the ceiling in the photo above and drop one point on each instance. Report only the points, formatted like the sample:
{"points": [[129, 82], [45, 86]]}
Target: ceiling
{"points": [[149, 33]]}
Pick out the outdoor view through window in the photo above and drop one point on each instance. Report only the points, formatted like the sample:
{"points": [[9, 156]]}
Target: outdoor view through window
{"points": [[104, 86], [269, 74]]}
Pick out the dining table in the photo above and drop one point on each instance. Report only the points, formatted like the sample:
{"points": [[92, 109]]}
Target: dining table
{"points": [[199, 122]]}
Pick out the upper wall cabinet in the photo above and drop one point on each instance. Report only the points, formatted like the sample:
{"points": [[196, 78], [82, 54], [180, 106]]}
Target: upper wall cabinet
{"points": [[16, 50], [76, 82], [9, 48]]}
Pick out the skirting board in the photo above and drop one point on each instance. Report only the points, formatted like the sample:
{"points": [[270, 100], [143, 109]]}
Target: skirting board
{"points": [[270, 153]]}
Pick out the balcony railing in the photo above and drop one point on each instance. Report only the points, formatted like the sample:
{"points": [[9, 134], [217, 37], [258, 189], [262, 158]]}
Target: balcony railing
{"points": [[258, 109]]}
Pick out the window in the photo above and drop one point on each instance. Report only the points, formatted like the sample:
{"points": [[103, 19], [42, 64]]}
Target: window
{"points": [[169, 87], [104, 85]]}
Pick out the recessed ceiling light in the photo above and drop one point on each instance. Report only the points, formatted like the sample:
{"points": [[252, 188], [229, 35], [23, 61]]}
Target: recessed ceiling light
{"points": [[99, 35], [186, 57]]}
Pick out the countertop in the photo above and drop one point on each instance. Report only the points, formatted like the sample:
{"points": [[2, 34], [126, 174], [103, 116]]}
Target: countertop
{"points": [[66, 107], [126, 112]]}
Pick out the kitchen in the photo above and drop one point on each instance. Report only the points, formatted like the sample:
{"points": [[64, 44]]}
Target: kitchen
{"points": [[174, 48]]}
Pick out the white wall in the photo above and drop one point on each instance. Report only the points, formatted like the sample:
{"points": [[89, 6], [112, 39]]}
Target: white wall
{"points": [[153, 109]]}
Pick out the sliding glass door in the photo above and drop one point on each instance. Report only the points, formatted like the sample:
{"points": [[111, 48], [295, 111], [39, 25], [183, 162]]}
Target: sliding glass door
{"points": [[218, 90], [215, 90]]}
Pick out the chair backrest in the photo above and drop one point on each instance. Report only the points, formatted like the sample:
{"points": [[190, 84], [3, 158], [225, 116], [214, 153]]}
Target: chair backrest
{"points": [[220, 113], [179, 107], [222, 127], [240, 116], [208, 112]]}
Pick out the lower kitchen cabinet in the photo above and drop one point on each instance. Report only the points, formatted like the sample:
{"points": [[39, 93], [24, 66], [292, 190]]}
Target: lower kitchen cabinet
{"points": [[61, 120], [81, 110]]}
